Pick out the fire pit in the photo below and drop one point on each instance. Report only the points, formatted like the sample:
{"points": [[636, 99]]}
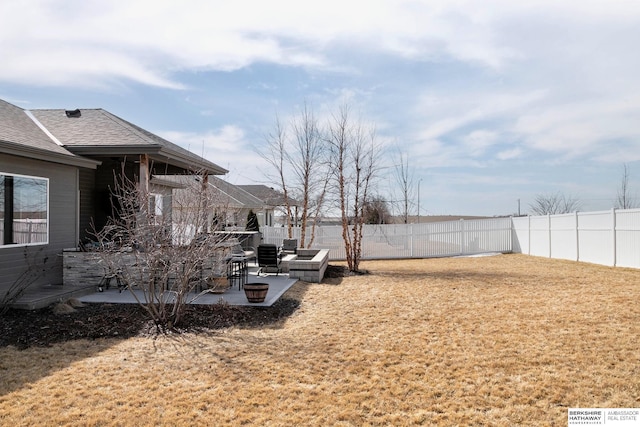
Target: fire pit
{"points": [[308, 264]]}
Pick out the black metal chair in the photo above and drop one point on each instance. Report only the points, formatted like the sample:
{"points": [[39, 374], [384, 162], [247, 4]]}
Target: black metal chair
{"points": [[268, 258], [289, 246]]}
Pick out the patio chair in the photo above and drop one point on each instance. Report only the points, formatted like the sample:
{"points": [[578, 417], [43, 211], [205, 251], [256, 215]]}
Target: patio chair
{"points": [[238, 251], [268, 258], [289, 246]]}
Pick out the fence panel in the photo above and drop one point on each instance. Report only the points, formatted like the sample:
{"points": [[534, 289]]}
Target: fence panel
{"points": [[539, 245], [520, 234], [607, 237], [595, 236], [492, 235], [564, 236], [627, 238], [397, 241], [26, 232]]}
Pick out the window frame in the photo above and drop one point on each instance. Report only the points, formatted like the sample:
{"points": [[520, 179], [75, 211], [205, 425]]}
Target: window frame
{"points": [[4, 245]]}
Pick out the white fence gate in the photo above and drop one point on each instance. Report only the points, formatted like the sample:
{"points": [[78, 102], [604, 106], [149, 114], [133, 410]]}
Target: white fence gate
{"points": [[438, 239], [606, 237]]}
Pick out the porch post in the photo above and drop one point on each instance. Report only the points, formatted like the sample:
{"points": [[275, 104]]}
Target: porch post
{"points": [[144, 173], [205, 200]]}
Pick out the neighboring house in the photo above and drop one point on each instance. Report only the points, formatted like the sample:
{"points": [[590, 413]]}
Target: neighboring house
{"points": [[230, 204], [57, 169], [274, 199]]}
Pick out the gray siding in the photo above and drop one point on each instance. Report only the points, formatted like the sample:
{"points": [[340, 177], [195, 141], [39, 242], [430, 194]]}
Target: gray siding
{"points": [[105, 181], [63, 207], [87, 182]]}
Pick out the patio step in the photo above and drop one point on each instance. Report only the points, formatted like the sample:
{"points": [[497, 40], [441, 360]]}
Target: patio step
{"points": [[42, 296]]}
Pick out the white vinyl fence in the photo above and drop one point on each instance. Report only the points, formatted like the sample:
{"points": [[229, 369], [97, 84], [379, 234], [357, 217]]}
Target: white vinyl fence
{"points": [[438, 239], [28, 231], [607, 237]]}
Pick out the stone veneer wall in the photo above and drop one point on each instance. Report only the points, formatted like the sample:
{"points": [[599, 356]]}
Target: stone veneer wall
{"points": [[312, 268], [81, 269]]}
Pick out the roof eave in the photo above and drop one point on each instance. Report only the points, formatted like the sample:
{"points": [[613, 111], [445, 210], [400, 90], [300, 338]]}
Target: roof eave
{"points": [[155, 151], [48, 156], [166, 182], [189, 163]]}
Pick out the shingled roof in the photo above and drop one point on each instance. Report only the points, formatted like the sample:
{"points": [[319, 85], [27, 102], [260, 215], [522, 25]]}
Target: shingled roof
{"points": [[270, 196], [21, 135], [97, 132], [234, 195]]}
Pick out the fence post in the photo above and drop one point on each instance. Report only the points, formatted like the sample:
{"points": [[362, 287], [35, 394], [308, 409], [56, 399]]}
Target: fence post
{"points": [[613, 237], [529, 231], [410, 239], [549, 230], [462, 236], [577, 237]]}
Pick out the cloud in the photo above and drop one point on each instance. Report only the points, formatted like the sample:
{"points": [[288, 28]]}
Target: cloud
{"points": [[513, 153], [460, 83], [579, 129], [227, 146], [477, 142], [148, 42]]}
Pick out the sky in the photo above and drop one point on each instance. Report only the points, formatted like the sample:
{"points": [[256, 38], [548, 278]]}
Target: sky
{"points": [[492, 102]]}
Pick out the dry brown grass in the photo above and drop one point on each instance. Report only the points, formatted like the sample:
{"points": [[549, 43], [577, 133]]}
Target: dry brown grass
{"points": [[506, 340]]}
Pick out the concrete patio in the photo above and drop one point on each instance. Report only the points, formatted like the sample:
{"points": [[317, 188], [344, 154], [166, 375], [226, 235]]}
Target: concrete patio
{"points": [[278, 285], [42, 296]]}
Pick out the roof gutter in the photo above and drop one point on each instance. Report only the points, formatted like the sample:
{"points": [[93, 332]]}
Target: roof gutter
{"points": [[47, 156], [155, 151]]}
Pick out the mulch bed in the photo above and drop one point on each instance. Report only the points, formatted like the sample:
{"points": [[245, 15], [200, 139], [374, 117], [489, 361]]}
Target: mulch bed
{"points": [[23, 329]]}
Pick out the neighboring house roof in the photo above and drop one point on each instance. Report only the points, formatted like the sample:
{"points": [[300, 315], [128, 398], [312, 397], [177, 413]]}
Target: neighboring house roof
{"points": [[270, 196], [237, 193], [21, 135], [97, 132], [227, 193]]}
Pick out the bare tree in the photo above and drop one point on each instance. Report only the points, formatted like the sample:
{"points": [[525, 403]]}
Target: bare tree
{"points": [[404, 178], [308, 165], [376, 211], [163, 257], [277, 156], [355, 163], [624, 199], [553, 204], [302, 153]]}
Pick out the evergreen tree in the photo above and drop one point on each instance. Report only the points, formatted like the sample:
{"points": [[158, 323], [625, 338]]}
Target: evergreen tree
{"points": [[252, 221]]}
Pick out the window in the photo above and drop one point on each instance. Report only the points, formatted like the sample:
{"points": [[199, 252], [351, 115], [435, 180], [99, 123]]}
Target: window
{"points": [[24, 210], [156, 208]]}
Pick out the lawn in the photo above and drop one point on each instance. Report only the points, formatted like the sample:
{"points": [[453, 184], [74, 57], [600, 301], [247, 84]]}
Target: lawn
{"points": [[504, 340]]}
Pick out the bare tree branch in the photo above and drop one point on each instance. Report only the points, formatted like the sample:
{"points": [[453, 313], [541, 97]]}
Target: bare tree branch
{"points": [[404, 178], [624, 199], [553, 204], [277, 155], [355, 162], [162, 255]]}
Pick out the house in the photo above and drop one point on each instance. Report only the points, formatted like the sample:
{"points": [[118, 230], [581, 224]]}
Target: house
{"points": [[274, 199], [239, 203], [230, 204], [57, 169]]}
